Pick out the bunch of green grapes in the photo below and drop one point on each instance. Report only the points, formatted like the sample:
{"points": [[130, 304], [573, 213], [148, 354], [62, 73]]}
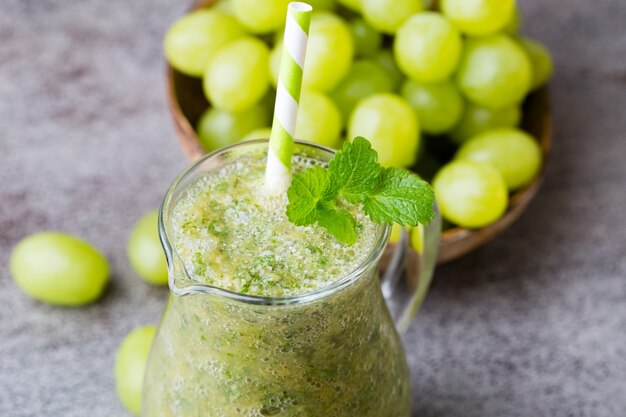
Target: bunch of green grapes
{"points": [[417, 78]]}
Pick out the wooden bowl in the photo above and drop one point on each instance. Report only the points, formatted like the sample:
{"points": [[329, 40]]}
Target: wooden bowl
{"points": [[187, 103]]}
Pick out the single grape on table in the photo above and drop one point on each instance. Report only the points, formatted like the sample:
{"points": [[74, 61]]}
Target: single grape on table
{"points": [[58, 268], [145, 252], [130, 363]]}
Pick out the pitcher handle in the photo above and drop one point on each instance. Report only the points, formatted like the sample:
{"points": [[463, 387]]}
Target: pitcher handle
{"points": [[408, 274]]}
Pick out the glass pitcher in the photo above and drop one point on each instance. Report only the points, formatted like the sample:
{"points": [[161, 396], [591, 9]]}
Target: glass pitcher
{"points": [[333, 352]]}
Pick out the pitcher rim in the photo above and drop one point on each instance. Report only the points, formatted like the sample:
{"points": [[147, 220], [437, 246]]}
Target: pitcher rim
{"points": [[384, 231]]}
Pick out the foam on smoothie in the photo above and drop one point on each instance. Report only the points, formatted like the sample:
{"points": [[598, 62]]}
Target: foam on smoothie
{"points": [[230, 233]]}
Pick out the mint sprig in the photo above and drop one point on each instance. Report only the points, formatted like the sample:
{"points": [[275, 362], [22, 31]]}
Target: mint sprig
{"points": [[388, 195]]}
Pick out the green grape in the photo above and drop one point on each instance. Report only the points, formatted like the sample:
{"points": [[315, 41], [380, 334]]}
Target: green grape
{"points": [[329, 52], [513, 152], [319, 120], [540, 60], [367, 41], [261, 18], [145, 252], [385, 59], [260, 133], [470, 194], [514, 25], [194, 39], [59, 269], [396, 233], [364, 79], [351, 4], [328, 57], [274, 62], [427, 47], [217, 128], [130, 364], [494, 72], [225, 6], [238, 76], [322, 4], [390, 124], [388, 15], [438, 106], [417, 238], [477, 119], [479, 17]]}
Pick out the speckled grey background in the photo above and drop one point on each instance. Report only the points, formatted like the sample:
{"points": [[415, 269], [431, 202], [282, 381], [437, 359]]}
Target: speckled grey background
{"points": [[534, 324]]}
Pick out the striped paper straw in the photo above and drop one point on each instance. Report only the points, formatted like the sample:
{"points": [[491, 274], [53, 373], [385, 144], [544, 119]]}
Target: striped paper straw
{"points": [[277, 173]]}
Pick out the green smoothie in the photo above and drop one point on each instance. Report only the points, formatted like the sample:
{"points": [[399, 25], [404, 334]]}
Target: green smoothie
{"points": [[301, 329]]}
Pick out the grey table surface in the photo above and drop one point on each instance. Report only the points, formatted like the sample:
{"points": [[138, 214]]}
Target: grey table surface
{"points": [[533, 324]]}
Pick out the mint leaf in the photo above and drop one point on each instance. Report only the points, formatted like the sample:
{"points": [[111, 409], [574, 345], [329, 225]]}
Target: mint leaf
{"points": [[388, 195], [339, 223], [306, 190], [355, 169], [400, 197]]}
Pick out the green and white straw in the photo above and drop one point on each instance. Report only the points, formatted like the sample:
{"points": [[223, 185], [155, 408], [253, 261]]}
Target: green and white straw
{"points": [[278, 171]]}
